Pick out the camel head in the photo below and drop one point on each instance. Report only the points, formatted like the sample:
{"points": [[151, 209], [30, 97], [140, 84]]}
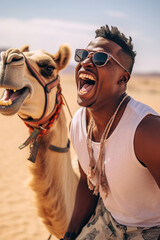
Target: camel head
{"points": [[23, 94]]}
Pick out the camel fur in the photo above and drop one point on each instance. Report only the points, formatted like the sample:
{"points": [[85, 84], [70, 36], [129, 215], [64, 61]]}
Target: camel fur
{"points": [[54, 181]]}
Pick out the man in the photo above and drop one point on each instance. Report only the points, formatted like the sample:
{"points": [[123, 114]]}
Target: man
{"points": [[117, 141]]}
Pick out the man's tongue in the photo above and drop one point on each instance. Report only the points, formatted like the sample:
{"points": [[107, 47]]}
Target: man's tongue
{"points": [[86, 88]]}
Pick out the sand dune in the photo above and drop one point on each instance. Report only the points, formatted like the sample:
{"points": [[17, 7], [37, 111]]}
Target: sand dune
{"points": [[18, 219]]}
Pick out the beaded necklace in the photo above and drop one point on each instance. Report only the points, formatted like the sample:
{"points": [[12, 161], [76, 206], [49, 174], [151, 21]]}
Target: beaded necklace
{"points": [[97, 169]]}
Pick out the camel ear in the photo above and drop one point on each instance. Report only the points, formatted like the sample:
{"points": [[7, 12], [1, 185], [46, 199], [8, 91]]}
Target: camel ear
{"points": [[62, 56], [25, 48]]}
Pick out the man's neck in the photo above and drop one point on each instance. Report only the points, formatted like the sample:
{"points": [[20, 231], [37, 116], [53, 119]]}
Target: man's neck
{"points": [[102, 116]]}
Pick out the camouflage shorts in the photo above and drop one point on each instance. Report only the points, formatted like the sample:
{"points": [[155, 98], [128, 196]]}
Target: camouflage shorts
{"points": [[102, 226]]}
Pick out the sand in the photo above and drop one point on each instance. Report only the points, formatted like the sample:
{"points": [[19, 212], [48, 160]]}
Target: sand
{"points": [[18, 218]]}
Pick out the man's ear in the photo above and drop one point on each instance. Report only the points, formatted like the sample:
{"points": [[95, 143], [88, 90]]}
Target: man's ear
{"points": [[124, 79], [62, 56], [127, 76]]}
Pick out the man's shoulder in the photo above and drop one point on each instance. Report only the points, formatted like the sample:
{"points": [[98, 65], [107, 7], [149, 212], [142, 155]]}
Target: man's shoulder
{"points": [[78, 114], [150, 125], [140, 108], [77, 120], [147, 137], [77, 127], [147, 142]]}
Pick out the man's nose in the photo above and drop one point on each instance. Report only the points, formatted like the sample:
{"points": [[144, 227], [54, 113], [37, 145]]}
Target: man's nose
{"points": [[88, 61]]}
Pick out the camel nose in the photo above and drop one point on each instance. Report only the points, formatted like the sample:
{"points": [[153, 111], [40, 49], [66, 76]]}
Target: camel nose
{"points": [[13, 56]]}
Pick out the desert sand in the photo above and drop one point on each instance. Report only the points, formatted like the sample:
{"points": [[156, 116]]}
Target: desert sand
{"points": [[18, 218]]}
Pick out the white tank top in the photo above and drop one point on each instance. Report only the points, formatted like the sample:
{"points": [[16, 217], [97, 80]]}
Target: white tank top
{"points": [[134, 197]]}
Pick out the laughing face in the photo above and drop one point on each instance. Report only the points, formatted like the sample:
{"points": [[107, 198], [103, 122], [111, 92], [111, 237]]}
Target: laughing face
{"points": [[22, 92], [97, 86]]}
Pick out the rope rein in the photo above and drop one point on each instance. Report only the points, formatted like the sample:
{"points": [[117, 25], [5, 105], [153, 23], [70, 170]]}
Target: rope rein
{"points": [[67, 106], [49, 237]]}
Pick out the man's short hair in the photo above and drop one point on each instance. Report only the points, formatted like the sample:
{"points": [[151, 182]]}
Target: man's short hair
{"points": [[116, 36]]}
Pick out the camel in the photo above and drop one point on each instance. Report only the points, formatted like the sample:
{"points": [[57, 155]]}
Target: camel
{"points": [[32, 90]]}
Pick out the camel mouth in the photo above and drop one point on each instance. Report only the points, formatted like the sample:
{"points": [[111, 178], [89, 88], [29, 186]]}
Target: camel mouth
{"points": [[12, 100]]}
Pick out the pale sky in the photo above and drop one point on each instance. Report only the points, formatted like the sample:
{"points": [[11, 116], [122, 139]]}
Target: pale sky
{"points": [[47, 24]]}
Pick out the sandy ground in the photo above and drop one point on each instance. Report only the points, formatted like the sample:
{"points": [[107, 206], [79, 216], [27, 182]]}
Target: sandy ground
{"points": [[18, 219]]}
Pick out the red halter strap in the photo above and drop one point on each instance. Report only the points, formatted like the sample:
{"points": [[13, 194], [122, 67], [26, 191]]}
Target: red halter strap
{"points": [[59, 101], [47, 88], [37, 131]]}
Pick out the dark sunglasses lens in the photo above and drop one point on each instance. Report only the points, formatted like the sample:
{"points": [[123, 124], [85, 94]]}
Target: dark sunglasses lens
{"points": [[100, 58], [80, 55]]}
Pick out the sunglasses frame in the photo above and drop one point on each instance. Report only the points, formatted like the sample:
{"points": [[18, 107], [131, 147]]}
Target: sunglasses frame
{"points": [[108, 58]]}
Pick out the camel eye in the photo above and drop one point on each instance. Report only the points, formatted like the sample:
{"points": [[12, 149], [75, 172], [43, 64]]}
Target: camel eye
{"points": [[47, 71], [50, 69]]}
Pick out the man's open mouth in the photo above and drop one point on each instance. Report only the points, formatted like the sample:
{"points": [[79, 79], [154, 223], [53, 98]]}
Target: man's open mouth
{"points": [[12, 99], [87, 82]]}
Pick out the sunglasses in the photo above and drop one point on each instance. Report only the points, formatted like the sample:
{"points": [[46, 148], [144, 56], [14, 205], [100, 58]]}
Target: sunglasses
{"points": [[98, 58]]}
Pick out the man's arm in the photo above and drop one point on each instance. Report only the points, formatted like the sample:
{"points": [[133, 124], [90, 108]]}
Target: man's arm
{"points": [[85, 205], [147, 145]]}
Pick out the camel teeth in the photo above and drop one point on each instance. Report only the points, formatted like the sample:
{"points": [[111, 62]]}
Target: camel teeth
{"points": [[6, 103], [9, 102], [14, 90]]}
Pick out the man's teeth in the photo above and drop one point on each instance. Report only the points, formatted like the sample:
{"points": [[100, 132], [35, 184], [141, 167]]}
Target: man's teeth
{"points": [[82, 91], [86, 76]]}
